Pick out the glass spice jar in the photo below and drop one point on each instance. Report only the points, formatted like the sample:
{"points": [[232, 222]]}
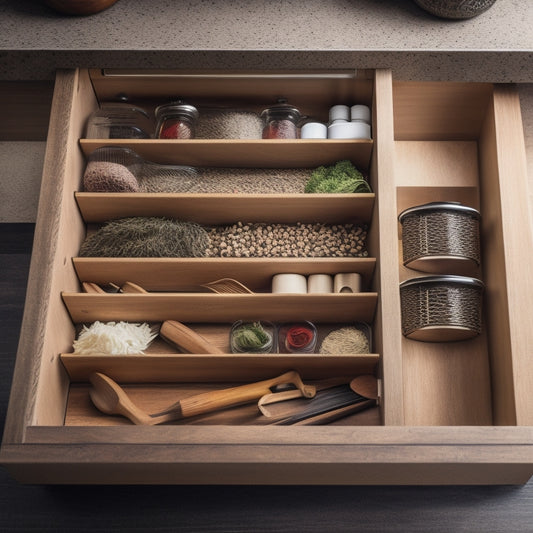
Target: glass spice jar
{"points": [[176, 120], [252, 337], [280, 121], [299, 337]]}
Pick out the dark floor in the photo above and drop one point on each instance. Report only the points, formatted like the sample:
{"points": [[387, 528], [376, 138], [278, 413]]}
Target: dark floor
{"points": [[243, 509]]}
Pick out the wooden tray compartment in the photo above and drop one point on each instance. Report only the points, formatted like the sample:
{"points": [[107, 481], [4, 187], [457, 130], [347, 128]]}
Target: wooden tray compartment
{"points": [[434, 441], [454, 161]]}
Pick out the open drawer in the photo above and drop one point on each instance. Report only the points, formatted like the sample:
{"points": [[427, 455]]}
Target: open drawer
{"points": [[448, 412]]}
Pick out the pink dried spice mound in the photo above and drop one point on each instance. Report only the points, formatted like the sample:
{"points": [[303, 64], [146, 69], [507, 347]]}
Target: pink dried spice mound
{"points": [[104, 176]]}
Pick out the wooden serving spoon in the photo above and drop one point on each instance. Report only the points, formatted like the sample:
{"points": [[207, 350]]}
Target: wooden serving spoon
{"points": [[365, 385], [110, 398]]}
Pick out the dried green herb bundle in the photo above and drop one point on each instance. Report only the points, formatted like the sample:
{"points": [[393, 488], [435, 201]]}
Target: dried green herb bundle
{"points": [[147, 237], [342, 177], [251, 338]]}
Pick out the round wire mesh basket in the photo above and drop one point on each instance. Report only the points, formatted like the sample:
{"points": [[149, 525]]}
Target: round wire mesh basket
{"points": [[441, 308], [440, 237]]}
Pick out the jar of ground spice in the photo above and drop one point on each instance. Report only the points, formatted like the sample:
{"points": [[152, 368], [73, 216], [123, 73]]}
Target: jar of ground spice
{"points": [[176, 120], [281, 121], [299, 337]]}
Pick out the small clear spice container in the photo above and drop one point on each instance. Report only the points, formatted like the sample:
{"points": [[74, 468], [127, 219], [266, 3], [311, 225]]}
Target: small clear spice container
{"points": [[120, 169], [441, 308], [253, 337], [297, 337], [119, 121], [176, 120], [281, 121]]}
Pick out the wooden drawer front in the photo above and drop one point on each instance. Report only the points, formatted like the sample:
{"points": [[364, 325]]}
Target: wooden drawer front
{"points": [[449, 412]]}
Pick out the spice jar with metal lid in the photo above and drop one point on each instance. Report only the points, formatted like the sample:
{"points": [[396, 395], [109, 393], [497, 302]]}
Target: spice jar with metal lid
{"points": [[176, 120], [281, 121]]}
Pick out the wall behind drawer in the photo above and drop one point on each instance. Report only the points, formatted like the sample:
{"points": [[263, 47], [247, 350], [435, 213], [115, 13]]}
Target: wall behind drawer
{"points": [[20, 180]]}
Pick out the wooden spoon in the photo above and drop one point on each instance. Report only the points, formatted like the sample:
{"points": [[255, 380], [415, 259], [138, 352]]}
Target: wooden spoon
{"points": [[365, 385], [110, 398]]}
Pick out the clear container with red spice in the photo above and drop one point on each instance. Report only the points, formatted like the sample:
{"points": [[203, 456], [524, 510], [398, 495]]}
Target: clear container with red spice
{"points": [[297, 337], [176, 120], [280, 121]]}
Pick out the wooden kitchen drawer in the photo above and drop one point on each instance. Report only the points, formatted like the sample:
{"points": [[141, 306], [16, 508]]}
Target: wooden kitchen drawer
{"points": [[449, 413]]}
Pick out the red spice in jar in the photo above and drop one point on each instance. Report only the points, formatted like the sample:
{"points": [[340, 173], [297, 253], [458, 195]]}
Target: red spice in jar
{"points": [[176, 120], [280, 129], [299, 338], [175, 129], [280, 121]]}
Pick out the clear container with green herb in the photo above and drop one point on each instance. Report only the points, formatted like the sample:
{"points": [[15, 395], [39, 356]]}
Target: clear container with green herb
{"points": [[252, 337]]}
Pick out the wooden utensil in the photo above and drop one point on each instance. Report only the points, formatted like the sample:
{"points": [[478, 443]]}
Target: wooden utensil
{"points": [[227, 286], [172, 331], [185, 338], [110, 398], [336, 398], [284, 396]]}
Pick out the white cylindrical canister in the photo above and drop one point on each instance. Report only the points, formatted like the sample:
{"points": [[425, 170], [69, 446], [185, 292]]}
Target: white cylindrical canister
{"points": [[320, 283], [289, 283], [314, 130], [349, 130], [347, 282]]}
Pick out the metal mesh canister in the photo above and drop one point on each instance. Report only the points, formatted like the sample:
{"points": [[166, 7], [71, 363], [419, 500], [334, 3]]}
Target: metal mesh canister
{"points": [[441, 308], [440, 237]]}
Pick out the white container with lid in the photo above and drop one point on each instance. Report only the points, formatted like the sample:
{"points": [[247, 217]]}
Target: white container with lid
{"points": [[349, 130], [314, 130], [320, 283], [339, 112], [287, 283], [360, 113]]}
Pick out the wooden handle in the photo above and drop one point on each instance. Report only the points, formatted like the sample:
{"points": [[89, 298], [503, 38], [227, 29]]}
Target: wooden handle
{"points": [[183, 337], [92, 288], [212, 401], [130, 287]]}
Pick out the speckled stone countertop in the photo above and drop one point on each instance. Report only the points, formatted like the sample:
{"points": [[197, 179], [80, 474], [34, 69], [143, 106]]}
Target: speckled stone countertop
{"points": [[262, 34]]}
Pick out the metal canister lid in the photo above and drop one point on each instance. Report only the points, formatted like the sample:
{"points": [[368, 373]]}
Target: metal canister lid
{"points": [[177, 108], [439, 206], [458, 280], [281, 109]]}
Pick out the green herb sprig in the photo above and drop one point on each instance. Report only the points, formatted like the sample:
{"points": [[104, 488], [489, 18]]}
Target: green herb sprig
{"points": [[251, 337], [342, 177]]}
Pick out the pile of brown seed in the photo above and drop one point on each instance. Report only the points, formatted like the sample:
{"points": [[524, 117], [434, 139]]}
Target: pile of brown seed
{"points": [[287, 240]]}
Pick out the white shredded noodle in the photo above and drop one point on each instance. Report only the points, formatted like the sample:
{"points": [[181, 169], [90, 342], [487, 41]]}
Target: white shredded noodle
{"points": [[113, 338]]}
